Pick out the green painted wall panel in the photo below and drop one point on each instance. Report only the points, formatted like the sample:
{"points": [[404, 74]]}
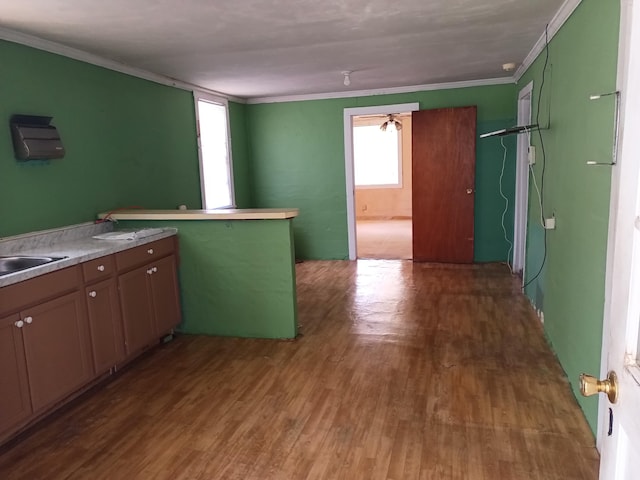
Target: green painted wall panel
{"points": [[570, 290], [297, 153], [241, 154], [237, 278], [128, 142]]}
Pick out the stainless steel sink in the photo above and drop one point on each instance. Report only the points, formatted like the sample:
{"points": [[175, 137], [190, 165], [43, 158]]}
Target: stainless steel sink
{"points": [[21, 262]]}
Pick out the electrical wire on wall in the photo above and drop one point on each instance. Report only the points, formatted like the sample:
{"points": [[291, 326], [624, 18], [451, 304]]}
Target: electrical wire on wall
{"points": [[506, 204], [540, 190]]}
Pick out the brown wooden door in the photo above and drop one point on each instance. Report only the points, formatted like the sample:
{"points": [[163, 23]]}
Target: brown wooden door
{"points": [[57, 349], [164, 294], [137, 313], [105, 324], [444, 153], [15, 402]]}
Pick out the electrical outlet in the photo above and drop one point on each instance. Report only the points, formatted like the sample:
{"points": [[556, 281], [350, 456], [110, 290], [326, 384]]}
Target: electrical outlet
{"points": [[531, 155], [550, 223]]}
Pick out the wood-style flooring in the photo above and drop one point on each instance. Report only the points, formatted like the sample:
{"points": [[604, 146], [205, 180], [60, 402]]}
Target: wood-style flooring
{"points": [[402, 371], [384, 239]]}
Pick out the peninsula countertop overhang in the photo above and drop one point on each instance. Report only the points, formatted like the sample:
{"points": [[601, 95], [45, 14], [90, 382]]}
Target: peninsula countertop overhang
{"points": [[220, 214]]}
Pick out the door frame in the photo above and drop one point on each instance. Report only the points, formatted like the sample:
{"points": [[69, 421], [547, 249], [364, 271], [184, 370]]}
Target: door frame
{"points": [[625, 185], [521, 207], [348, 115]]}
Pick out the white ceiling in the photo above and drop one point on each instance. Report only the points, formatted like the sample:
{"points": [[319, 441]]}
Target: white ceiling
{"points": [[259, 48]]}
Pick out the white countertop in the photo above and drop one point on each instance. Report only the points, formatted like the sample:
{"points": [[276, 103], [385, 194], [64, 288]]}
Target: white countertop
{"points": [[219, 214], [56, 243]]}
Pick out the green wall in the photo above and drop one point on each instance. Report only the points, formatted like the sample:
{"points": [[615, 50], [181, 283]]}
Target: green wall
{"points": [[128, 142], [237, 277], [570, 290], [241, 154], [297, 153]]}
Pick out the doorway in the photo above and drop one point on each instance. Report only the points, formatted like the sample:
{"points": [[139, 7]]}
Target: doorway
{"points": [[382, 177], [522, 184], [349, 114]]}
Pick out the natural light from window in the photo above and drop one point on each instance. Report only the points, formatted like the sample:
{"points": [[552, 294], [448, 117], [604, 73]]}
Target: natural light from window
{"points": [[214, 155], [376, 156]]}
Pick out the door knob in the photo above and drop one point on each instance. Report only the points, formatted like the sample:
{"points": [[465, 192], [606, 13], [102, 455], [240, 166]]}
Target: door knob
{"points": [[469, 191], [591, 385]]}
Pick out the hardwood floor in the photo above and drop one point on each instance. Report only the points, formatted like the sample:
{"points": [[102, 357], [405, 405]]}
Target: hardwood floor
{"points": [[403, 371], [384, 239]]}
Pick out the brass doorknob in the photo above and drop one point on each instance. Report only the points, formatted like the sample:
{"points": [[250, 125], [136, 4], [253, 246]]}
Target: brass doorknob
{"points": [[591, 385]]}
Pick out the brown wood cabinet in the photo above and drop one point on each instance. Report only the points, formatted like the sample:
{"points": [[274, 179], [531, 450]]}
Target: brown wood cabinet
{"points": [[164, 294], [103, 308], [148, 294], [137, 313], [15, 401], [44, 353], [56, 348], [61, 330], [105, 324]]}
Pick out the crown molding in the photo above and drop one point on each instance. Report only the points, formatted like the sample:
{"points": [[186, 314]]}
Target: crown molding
{"points": [[382, 91], [558, 20], [76, 54]]}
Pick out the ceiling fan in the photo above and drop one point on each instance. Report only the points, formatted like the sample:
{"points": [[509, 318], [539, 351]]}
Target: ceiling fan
{"points": [[392, 122]]}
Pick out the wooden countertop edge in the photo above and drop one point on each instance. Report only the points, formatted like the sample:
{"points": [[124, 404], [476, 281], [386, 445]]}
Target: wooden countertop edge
{"points": [[226, 214]]}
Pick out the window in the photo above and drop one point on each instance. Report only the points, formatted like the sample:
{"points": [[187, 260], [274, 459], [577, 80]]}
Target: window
{"points": [[376, 155], [216, 176]]}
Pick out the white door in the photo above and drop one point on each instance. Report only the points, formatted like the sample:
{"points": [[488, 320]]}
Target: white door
{"points": [[619, 438]]}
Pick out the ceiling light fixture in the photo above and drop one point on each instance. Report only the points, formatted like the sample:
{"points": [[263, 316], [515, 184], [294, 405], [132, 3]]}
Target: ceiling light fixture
{"points": [[391, 123], [347, 78]]}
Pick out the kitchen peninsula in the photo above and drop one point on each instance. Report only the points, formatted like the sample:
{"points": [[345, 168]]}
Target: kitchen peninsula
{"points": [[236, 268]]}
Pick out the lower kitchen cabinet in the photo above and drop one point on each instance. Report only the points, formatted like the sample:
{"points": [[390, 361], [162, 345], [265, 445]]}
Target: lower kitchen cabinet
{"points": [[137, 315], [164, 294], [64, 329], [150, 303], [56, 349], [105, 324], [15, 402]]}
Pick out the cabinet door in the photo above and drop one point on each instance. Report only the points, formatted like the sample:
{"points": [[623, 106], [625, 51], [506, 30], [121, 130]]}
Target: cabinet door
{"points": [[164, 294], [56, 348], [15, 403], [137, 316], [105, 325]]}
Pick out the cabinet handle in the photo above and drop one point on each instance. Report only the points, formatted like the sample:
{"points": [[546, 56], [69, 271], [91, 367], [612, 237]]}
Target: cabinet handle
{"points": [[101, 268], [155, 269], [19, 324], [150, 251], [28, 319], [93, 294], [150, 271]]}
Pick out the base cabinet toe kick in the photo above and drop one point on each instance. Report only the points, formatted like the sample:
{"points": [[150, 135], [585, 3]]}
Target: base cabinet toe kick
{"points": [[62, 331]]}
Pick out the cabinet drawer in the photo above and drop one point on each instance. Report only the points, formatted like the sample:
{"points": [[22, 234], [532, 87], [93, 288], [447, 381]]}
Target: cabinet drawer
{"points": [[35, 290], [99, 268], [143, 254]]}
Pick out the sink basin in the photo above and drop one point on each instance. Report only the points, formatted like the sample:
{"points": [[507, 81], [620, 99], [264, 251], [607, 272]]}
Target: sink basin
{"points": [[20, 262]]}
